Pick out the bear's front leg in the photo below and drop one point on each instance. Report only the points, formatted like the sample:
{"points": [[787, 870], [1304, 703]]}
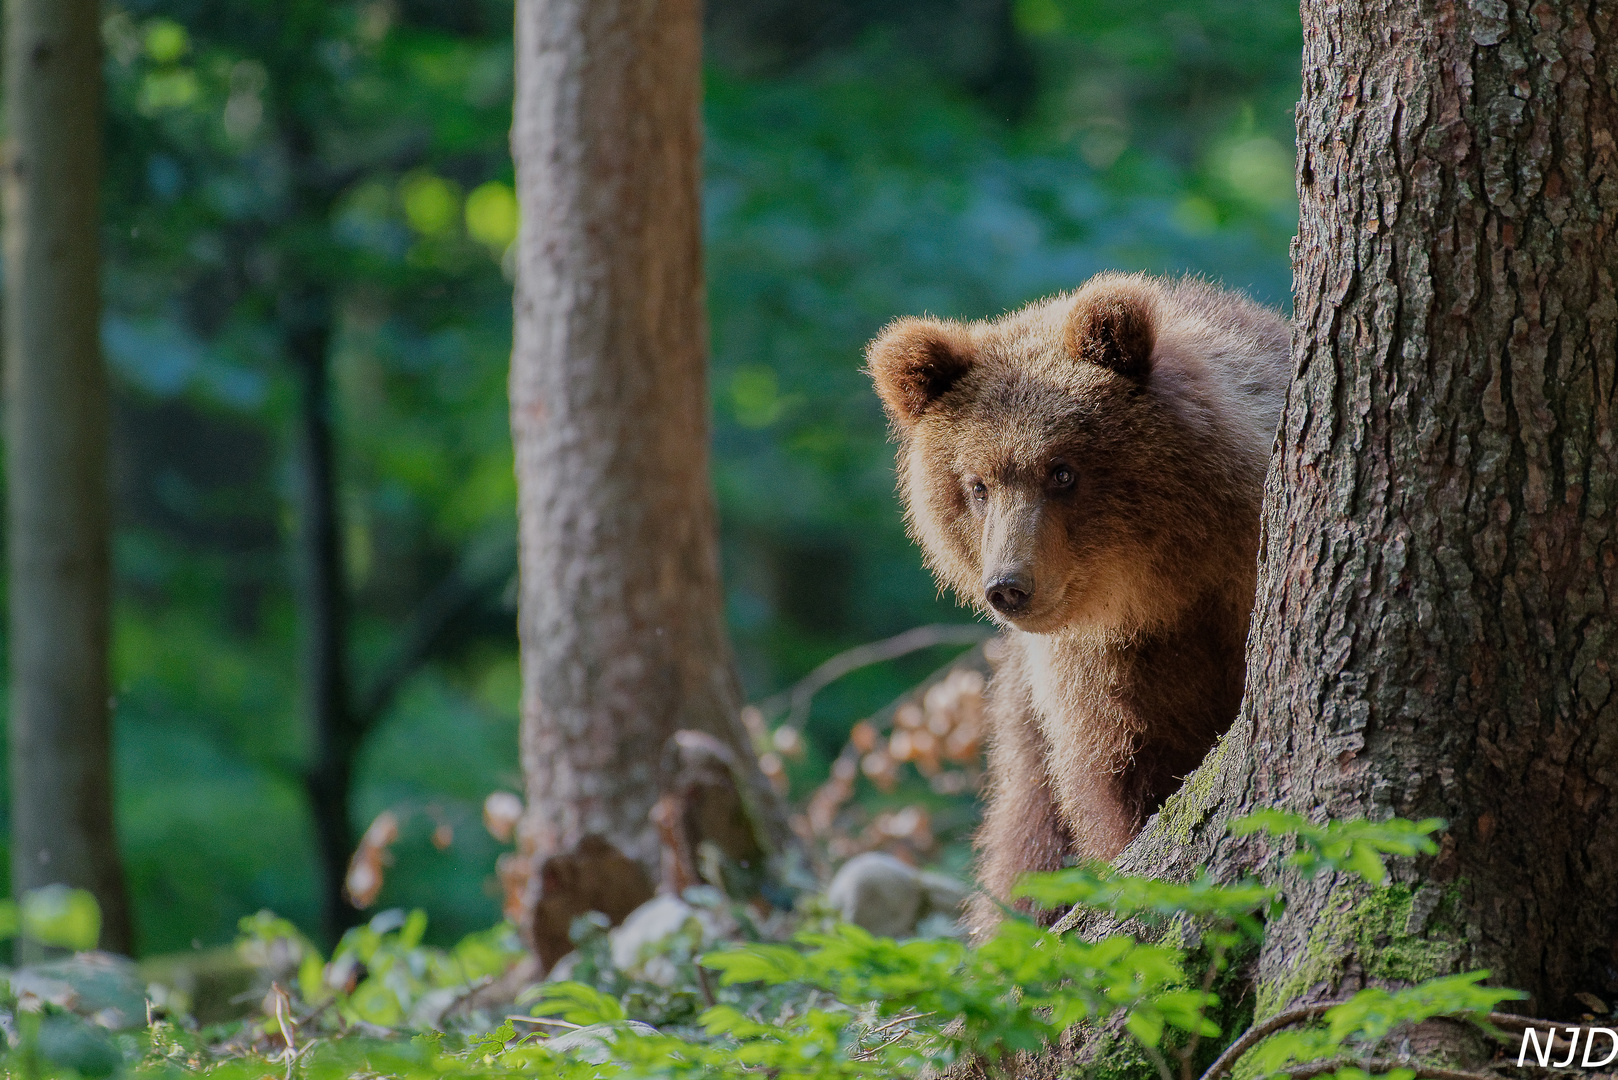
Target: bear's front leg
{"points": [[1022, 827]]}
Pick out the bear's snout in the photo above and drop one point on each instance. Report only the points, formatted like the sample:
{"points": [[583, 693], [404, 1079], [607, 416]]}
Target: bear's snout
{"points": [[1009, 594]]}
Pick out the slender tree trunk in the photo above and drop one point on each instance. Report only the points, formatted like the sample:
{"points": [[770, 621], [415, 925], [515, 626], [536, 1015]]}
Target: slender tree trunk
{"points": [[322, 597], [1436, 632], [621, 620], [56, 460]]}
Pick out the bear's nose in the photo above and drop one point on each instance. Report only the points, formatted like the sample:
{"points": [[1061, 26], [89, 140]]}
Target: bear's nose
{"points": [[1009, 594]]}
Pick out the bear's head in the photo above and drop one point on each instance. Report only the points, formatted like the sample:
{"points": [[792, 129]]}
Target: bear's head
{"points": [[1094, 460]]}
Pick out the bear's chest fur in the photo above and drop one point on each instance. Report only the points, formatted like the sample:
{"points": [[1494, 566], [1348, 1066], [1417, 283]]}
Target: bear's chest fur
{"points": [[1123, 721]]}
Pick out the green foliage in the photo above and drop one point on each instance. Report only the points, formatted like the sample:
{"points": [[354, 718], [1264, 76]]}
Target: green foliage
{"points": [[578, 1004], [831, 1002], [1355, 1026], [1150, 899], [55, 915], [380, 972], [1355, 846]]}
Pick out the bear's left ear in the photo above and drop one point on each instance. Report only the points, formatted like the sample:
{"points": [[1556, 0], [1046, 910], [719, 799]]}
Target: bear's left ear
{"points": [[914, 362], [1112, 329]]}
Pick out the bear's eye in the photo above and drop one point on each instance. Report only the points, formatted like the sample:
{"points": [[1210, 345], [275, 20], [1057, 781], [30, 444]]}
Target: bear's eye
{"points": [[1062, 476], [980, 490]]}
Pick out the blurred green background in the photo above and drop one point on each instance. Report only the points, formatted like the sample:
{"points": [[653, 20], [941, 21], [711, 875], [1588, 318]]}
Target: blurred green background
{"points": [[865, 159]]}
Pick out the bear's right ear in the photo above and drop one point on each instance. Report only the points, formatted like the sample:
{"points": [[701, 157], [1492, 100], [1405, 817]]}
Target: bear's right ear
{"points": [[914, 362]]}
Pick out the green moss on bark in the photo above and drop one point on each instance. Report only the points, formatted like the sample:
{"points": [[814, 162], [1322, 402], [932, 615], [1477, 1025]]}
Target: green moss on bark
{"points": [[1392, 933], [1189, 807]]}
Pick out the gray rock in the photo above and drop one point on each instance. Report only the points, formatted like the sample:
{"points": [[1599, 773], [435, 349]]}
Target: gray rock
{"points": [[643, 947], [104, 988], [945, 895], [879, 893]]}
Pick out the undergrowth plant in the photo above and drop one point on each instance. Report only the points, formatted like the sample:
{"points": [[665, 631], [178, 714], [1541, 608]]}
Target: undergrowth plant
{"points": [[831, 1002]]}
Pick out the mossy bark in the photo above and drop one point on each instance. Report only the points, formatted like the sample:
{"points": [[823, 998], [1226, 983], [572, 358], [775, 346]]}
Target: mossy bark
{"points": [[1435, 632]]}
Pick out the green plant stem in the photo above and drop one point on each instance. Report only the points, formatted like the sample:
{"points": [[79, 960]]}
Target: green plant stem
{"points": [[1159, 1060], [1189, 1055]]}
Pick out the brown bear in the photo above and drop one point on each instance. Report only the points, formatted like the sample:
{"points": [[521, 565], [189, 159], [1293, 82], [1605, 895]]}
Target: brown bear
{"points": [[1087, 471]]}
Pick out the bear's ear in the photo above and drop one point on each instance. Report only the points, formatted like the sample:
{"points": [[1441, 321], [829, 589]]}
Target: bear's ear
{"points": [[914, 362], [1114, 330]]}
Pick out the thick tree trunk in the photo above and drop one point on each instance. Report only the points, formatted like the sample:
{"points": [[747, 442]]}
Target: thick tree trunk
{"points": [[621, 620], [1438, 635], [56, 460], [1436, 631]]}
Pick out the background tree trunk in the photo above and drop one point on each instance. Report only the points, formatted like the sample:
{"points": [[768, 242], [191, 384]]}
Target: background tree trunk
{"points": [[56, 460], [1436, 631], [322, 596], [621, 618]]}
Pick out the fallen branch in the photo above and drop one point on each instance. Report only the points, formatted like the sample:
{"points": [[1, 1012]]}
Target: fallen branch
{"points": [[801, 695], [1383, 1065], [1259, 1032], [1303, 1014]]}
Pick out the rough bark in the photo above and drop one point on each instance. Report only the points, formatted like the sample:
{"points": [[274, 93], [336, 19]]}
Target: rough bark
{"points": [[56, 461], [620, 619], [1436, 631]]}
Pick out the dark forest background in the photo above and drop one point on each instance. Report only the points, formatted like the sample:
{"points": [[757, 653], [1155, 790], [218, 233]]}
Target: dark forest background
{"points": [[865, 159]]}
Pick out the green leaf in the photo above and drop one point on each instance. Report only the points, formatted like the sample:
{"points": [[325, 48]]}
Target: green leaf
{"points": [[1299, 1044], [415, 926], [1372, 1013], [1355, 846], [60, 916], [1365, 862], [1270, 822], [375, 1002], [495, 1041], [770, 964], [1147, 1027], [1132, 897], [491, 215], [312, 978], [166, 40], [578, 1004]]}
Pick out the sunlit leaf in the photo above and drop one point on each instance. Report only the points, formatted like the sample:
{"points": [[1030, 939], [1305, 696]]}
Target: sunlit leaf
{"points": [[60, 916], [577, 1004], [165, 40], [431, 203], [492, 215]]}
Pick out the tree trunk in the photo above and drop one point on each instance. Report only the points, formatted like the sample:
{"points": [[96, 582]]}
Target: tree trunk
{"points": [[621, 614], [1435, 632], [56, 461], [322, 597], [1438, 635]]}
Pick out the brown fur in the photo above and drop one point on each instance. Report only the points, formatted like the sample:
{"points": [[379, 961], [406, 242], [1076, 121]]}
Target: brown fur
{"points": [[1099, 459]]}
